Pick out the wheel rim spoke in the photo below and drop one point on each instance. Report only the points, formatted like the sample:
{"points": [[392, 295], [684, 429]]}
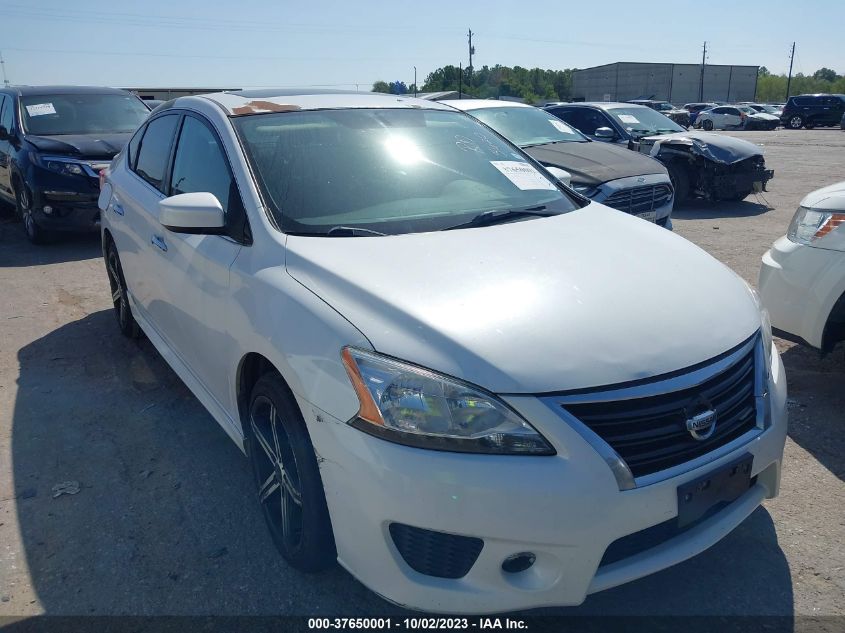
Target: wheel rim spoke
{"points": [[268, 487], [275, 432], [290, 489], [115, 296], [263, 442], [288, 521]]}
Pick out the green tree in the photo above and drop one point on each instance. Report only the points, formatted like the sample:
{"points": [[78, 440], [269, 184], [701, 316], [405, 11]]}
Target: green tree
{"points": [[381, 86], [825, 74]]}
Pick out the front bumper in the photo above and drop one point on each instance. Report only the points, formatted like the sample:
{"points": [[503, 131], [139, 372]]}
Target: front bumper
{"points": [[659, 212], [799, 285], [566, 509], [63, 202]]}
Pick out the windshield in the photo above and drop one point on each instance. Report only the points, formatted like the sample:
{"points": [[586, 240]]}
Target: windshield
{"points": [[528, 126], [747, 110], [388, 170], [47, 115], [642, 121]]}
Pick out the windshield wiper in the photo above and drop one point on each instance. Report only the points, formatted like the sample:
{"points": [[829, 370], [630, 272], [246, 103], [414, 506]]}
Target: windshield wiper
{"points": [[351, 231], [489, 218]]}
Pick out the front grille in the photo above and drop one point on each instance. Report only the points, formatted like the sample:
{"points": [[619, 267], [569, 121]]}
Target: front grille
{"points": [[650, 433], [638, 200], [436, 553]]}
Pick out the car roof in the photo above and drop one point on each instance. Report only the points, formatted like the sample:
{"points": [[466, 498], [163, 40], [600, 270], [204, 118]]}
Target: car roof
{"points": [[478, 104], [245, 102], [26, 91], [606, 105]]}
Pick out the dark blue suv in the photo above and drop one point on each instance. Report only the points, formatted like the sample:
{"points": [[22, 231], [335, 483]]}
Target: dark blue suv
{"points": [[54, 140], [809, 111]]}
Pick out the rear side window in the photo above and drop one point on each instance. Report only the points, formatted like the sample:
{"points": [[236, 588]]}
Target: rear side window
{"points": [[154, 153], [200, 164], [132, 147]]}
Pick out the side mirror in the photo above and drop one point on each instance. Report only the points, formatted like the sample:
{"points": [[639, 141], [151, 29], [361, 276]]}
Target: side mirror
{"points": [[4, 134], [192, 213], [605, 133], [561, 174]]}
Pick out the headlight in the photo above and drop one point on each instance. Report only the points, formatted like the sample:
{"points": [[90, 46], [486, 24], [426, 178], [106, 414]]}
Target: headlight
{"points": [[809, 225], [409, 405], [765, 328], [64, 167]]}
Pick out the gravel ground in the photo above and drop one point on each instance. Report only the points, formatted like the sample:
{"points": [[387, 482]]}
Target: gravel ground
{"points": [[165, 521]]}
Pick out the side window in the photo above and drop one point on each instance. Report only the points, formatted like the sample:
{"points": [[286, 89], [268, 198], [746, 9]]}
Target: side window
{"points": [[719, 110], [132, 147], [200, 164], [154, 153], [7, 113], [584, 119], [732, 111]]}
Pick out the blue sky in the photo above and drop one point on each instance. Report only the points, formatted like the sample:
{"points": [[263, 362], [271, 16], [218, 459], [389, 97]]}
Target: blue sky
{"points": [[212, 43]]}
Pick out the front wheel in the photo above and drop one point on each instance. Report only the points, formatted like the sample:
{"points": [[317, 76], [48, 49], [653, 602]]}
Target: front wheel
{"points": [[680, 181], [290, 489], [23, 206], [795, 122], [708, 125]]}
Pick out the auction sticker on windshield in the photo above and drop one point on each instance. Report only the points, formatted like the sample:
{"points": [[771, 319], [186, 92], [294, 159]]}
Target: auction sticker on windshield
{"points": [[523, 175], [40, 109], [628, 118]]}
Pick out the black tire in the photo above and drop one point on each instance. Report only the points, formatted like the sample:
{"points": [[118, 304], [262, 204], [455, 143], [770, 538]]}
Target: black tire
{"points": [[120, 299], [707, 124], [23, 208], [809, 125], [680, 181], [795, 122], [287, 477]]}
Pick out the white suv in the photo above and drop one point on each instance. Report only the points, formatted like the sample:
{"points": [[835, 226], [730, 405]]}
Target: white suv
{"points": [[802, 279], [475, 389]]}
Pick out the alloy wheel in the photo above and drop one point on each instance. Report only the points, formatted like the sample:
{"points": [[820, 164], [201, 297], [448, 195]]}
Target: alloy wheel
{"points": [[795, 122], [118, 296], [277, 473]]}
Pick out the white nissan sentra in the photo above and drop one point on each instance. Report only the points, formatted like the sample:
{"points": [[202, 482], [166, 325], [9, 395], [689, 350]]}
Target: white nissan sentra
{"points": [[475, 389]]}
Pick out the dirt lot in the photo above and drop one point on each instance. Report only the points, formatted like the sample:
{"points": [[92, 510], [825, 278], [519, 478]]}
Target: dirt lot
{"points": [[166, 521]]}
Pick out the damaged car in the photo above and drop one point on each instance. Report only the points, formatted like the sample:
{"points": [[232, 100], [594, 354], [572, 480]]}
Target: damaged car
{"points": [[700, 164], [736, 117], [54, 141], [637, 185]]}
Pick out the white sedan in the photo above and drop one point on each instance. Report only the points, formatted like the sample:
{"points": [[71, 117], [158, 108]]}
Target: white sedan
{"points": [[474, 388], [737, 117], [802, 279]]}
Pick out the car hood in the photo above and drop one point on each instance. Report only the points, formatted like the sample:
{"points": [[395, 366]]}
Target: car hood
{"points": [[595, 163], [81, 145], [592, 297], [764, 116], [715, 147], [831, 198]]}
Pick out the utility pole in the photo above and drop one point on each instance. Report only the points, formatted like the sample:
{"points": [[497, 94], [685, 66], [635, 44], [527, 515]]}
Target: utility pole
{"points": [[471, 53], [789, 79], [415, 81], [3, 66], [701, 78], [460, 81]]}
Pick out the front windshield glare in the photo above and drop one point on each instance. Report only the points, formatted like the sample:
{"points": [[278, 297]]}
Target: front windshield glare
{"points": [[388, 170], [528, 126], [644, 121], [47, 115]]}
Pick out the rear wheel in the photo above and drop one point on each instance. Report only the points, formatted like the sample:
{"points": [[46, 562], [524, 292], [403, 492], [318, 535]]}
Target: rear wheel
{"points": [[680, 181], [120, 298], [290, 489], [795, 122], [707, 125]]}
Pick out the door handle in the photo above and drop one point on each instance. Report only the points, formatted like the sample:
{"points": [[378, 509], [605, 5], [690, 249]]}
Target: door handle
{"points": [[117, 208], [157, 240]]}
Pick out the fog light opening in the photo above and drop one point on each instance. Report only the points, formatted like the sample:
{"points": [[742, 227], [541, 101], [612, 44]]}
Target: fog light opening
{"points": [[516, 563], [48, 210]]}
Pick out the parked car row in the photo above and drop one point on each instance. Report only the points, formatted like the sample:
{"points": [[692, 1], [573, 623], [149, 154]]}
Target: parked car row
{"points": [[450, 372], [735, 117]]}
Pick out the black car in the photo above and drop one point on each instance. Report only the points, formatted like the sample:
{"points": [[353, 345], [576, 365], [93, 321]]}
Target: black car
{"points": [[809, 111], [54, 140], [703, 164]]}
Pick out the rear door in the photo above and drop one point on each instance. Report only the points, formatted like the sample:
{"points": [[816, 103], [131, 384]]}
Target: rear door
{"points": [[137, 190]]}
